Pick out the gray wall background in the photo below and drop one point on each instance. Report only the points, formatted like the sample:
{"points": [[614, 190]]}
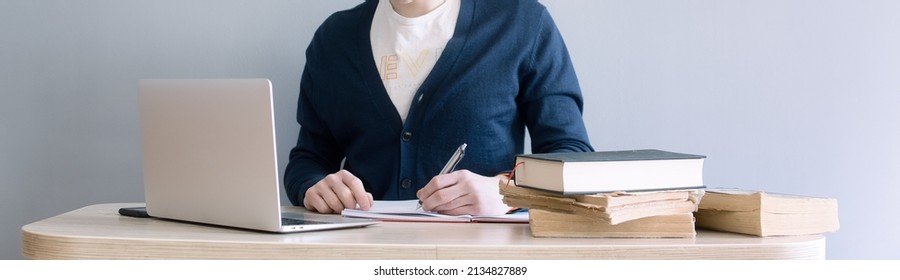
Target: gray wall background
{"points": [[794, 96]]}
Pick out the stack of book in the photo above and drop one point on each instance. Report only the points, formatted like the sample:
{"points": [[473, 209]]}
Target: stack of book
{"points": [[616, 214], [637, 193], [766, 214]]}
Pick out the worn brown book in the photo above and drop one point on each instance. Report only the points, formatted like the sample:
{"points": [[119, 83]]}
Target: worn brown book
{"points": [[612, 208], [545, 223], [766, 214]]}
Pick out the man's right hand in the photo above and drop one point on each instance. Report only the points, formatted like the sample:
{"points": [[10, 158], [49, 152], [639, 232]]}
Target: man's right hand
{"points": [[337, 191]]}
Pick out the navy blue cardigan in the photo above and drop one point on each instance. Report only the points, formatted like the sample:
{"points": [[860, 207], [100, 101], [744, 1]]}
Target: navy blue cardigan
{"points": [[505, 68]]}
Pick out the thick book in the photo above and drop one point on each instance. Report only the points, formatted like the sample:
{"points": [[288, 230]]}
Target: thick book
{"points": [[409, 211], [766, 214], [612, 208], [558, 224], [609, 171]]}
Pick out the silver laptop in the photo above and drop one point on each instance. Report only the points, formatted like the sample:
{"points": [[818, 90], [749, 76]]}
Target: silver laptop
{"points": [[209, 156]]}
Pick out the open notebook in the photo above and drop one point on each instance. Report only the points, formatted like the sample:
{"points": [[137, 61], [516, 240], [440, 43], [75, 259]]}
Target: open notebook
{"points": [[408, 211]]}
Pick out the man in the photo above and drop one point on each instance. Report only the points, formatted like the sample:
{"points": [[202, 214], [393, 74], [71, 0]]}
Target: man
{"points": [[391, 89]]}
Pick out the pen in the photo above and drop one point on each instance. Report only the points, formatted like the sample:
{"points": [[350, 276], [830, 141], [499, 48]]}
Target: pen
{"points": [[451, 164]]}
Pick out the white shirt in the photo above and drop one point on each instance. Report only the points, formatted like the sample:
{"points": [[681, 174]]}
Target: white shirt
{"points": [[406, 49]]}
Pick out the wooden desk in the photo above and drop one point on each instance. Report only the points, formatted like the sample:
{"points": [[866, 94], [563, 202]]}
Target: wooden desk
{"points": [[99, 232]]}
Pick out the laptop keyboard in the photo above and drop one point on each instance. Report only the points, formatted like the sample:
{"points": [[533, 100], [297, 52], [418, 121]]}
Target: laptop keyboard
{"points": [[294, 222]]}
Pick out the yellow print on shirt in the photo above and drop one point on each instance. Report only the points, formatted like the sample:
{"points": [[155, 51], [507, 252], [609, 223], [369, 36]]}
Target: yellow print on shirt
{"points": [[415, 66], [389, 69]]}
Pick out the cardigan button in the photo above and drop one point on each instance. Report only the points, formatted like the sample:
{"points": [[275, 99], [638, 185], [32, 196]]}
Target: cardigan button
{"points": [[406, 183], [406, 136]]}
